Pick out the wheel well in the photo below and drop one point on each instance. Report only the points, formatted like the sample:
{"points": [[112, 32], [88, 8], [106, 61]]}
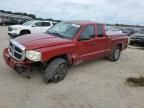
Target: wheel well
{"points": [[120, 45], [26, 31], [64, 56]]}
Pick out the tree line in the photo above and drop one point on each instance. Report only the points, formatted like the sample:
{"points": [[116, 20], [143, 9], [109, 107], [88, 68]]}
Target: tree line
{"points": [[126, 25], [34, 17], [19, 13], [27, 14]]}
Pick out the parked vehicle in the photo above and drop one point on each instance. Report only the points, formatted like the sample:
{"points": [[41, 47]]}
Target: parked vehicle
{"points": [[11, 21], [138, 37], [64, 45], [128, 31], [30, 27], [114, 30]]}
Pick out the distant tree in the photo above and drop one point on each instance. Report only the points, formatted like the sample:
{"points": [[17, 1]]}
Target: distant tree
{"points": [[19, 13]]}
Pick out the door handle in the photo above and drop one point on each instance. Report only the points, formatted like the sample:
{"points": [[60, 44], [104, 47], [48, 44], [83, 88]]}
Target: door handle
{"points": [[93, 43]]}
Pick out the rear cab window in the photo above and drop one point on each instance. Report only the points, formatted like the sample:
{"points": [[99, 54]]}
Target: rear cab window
{"points": [[100, 32]]}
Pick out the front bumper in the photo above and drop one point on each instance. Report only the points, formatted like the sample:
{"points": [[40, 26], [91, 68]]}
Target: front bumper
{"points": [[13, 33], [14, 64]]}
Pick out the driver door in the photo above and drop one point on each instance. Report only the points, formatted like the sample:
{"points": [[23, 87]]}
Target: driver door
{"points": [[86, 44]]}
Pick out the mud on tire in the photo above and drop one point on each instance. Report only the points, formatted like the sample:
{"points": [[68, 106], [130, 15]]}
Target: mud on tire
{"points": [[115, 54], [56, 70]]}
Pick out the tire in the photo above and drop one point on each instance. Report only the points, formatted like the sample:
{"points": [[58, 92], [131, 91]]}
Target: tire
{"points": [[131, 43], [24, 32], [115, 54], [56, 70]]}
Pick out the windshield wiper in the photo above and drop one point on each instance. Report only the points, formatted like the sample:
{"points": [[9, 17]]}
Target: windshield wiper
{"points": [[59, 35]]}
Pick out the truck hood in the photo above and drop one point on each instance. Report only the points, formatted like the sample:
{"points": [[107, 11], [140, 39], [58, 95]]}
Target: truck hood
{"points": [[36, 41]]}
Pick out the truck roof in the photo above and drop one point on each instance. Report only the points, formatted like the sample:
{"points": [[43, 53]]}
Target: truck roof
{"points": [[80, 22]]}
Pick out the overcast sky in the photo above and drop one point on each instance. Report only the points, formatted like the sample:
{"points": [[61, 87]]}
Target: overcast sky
{"points": [[107, 11]]}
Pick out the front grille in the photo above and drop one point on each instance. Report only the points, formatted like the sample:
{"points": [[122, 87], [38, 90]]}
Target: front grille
{"points": [[17, 55], [10, 29], [16, 50]]}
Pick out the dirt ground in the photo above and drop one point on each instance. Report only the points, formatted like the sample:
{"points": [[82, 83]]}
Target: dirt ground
{"points": [[97, 84]]}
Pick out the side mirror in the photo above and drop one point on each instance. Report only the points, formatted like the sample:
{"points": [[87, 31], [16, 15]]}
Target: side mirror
{"points": [[86, 38], [33, 25]]}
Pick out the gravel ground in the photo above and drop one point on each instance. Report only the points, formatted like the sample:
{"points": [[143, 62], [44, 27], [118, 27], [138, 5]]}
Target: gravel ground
{"points": [[97, 84]]}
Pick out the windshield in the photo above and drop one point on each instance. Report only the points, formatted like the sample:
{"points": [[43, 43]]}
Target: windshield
{"points": [[64, 30], [28, 23], [141, 31]]}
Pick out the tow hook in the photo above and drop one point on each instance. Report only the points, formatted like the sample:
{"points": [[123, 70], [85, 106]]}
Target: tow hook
{"points": [[21, 70]]}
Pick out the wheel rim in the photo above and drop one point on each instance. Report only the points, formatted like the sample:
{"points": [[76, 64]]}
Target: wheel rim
{"points": [[60, 72], [117, 54]]}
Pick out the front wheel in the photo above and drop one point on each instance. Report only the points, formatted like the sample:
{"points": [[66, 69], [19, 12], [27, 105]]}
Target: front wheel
{"points": [[115, 54], [56, 70]]}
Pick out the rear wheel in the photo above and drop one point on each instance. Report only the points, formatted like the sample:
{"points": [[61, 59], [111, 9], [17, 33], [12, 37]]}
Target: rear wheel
{"points": [[115, 54], [56, 70], [131, 43]]}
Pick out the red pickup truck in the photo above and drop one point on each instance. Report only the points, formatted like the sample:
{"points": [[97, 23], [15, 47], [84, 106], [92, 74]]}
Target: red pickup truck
{"points": [[64, 45]]}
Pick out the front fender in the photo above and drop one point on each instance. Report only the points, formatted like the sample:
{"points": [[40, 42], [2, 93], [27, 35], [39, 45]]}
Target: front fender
{"points": [[51, 52]]}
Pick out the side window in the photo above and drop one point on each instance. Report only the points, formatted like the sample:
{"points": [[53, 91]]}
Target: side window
{"points": [[38, 24], [46, 24], [100, 30], [88, 32]]}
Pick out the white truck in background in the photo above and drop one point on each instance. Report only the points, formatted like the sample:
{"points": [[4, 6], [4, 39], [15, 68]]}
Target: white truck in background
{"points": [[30, 27]]}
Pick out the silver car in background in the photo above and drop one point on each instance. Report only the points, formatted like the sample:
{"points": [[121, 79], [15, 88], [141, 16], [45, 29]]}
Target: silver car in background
{"points": [[137, 37]]}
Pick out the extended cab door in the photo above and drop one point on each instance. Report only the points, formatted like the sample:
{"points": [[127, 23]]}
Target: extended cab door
{"points": [[92, 43], [101, 41]]}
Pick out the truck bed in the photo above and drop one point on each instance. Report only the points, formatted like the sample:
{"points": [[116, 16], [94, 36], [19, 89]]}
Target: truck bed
{"points": [[117, 38], [115, 34]]}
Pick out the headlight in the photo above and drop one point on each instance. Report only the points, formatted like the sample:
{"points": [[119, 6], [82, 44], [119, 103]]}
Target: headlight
{"points": [[16, 28], [33, 55]]}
